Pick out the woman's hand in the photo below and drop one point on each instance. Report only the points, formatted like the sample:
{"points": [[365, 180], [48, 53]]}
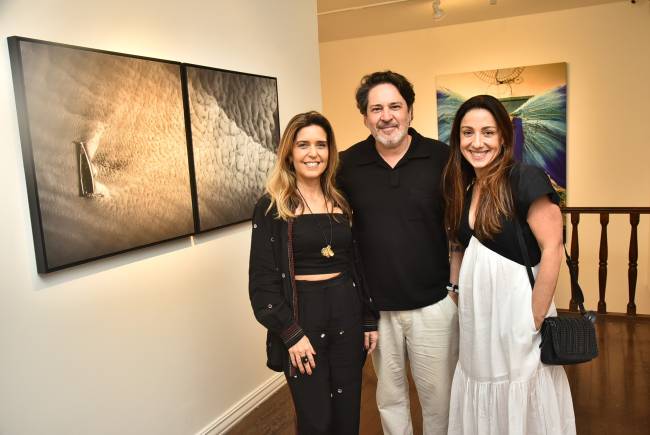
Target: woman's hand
{"points": [[302, 356], [370, 340], [538, 321]]}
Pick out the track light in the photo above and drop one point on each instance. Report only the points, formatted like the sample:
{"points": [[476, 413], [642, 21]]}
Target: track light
{"points": [[438, 13]]}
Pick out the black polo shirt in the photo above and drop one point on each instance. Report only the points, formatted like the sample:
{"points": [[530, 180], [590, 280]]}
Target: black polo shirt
{"points": [[398, 221]]}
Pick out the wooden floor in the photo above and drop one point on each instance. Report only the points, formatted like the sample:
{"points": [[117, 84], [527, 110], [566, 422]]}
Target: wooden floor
{"points": [[611, 395]]}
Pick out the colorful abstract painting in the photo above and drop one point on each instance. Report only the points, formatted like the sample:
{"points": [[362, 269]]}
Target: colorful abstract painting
{"points": [[535, 97]]}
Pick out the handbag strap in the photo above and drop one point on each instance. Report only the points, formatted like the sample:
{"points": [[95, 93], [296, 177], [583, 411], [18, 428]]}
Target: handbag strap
{"points": [[292, 274], [576, 290], [294, 292]]}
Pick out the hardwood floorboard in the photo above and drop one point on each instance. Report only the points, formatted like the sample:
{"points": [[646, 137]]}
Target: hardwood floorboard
{"points": [[274, 416], [611, 394]]}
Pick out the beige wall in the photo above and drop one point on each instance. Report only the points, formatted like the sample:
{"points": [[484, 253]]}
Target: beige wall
{"points": [[606, 48], [160, 340]]}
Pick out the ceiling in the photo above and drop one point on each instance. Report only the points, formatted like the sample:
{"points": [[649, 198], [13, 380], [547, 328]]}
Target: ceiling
{"points": [[343, 19]]}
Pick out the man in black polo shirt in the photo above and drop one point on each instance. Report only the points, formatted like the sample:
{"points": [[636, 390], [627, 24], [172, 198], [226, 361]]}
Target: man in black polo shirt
{"points": [[392, 180]]}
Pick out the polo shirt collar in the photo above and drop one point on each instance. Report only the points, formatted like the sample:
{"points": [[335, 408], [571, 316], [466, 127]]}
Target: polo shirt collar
{"points": [[368, 152]]}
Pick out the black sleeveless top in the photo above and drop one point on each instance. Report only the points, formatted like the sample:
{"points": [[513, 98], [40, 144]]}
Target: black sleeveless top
{"points": [[528, 184], [311, 233]]}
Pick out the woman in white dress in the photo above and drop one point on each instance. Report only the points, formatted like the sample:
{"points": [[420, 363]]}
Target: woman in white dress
{"points": [[500, 385]]}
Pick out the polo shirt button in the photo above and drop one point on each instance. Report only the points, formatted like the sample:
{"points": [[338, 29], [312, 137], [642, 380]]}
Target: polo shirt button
{"points": [[283, 275], [341, 332], [354, 284], [340, 390], [254, 225], [322, 335], [269, 306], [272, 239]]}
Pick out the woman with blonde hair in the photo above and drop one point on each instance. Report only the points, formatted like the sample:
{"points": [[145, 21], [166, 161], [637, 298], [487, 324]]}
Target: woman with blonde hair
{"points": [[304, 283], [500, 386]]}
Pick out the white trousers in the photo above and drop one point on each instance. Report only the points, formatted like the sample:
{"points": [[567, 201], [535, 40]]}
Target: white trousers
{"points": [[428, 337]]}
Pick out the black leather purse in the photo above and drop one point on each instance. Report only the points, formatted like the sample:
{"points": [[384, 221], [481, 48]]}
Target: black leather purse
{"points": [[565, 340]]}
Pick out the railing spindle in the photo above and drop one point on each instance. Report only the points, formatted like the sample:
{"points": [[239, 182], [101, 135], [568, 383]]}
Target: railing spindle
{"points": [[575, 254], [602, 263], [605, 212], [632, 268]]}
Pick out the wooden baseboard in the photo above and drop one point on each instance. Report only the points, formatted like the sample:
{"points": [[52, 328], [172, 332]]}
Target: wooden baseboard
{"points": [[242, 408]]}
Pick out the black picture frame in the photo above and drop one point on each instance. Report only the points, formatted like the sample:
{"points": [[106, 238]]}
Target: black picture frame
{"points": [[234, 133], [105, 152]]}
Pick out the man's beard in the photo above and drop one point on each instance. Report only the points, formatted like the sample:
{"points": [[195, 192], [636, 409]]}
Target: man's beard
{"points": [[392, 141]]}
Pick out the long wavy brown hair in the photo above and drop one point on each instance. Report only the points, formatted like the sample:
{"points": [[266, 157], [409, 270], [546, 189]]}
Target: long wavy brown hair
{"points": [[495, 201], [281, 185]]}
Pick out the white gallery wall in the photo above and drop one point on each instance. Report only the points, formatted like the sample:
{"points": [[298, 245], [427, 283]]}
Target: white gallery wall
{"points": [[607, 49], [159, 340]]}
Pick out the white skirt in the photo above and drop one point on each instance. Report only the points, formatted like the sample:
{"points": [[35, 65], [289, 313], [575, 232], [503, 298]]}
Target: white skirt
{"points": [[500, 386]]}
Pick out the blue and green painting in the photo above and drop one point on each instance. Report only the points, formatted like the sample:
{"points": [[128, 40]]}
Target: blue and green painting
{"points": [[539, 122]]}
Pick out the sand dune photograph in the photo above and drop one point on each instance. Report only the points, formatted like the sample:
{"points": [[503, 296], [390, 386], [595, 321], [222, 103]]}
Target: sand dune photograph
{"points": [[106, 136], [235, 134]]}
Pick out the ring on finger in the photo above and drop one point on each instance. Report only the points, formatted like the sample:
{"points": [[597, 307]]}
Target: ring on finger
{"points": [[304, 359]]}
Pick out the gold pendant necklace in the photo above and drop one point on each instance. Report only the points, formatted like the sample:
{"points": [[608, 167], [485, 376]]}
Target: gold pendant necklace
{"points": [[327, 250]]}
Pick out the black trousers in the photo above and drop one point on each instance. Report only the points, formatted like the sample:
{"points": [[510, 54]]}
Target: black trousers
{"points": [[328, 400]]}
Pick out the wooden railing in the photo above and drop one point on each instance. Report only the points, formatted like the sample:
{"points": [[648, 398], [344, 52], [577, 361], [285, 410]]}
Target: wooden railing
{"points": [[634, 213]]}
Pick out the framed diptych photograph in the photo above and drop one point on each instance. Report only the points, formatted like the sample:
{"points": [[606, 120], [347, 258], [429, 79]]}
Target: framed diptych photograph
{"points": [[124, 151], [235, 133], [536, 98], [104, 149]]}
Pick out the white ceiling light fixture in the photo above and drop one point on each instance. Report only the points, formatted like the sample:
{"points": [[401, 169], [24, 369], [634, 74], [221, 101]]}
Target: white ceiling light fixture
{"points": [[438, 13]]}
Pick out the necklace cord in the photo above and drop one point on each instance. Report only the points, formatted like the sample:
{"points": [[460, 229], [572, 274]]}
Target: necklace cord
{"points": [[327, 250]]}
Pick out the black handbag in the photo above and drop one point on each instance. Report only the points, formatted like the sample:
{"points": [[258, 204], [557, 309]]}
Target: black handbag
{"points": [[565, 340]]}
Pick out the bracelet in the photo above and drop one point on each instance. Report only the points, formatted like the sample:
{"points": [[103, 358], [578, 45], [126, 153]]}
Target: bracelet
{"points": [[452, 288]]}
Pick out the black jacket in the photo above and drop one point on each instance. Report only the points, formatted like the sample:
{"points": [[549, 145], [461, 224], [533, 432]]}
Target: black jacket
{"points": [[270, 284]]}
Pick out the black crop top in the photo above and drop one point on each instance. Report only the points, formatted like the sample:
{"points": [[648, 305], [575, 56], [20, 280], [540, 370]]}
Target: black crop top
{"points": [[311, 233]]}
